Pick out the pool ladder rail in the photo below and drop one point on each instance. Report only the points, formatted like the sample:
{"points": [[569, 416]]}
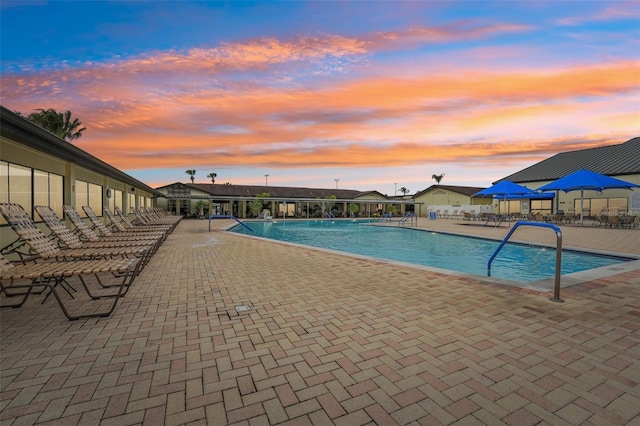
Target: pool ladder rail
{"points": [[556, 290], [228, 216], [410, 218]]}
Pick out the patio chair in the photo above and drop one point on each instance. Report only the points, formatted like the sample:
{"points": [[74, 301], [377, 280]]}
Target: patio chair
{"points": [[104, 230], [613, 221], [130, 225], [39, 246], [67, 239], [150, 217], [118, 223], [87, 234], [32, 278]]}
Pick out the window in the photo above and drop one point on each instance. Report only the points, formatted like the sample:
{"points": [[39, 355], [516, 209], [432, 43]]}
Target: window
{"points": [[541, 206], [88, 194], [47, 191], [593, 206], [510, 206], [132, 202], [30, 187], [116, 199]]}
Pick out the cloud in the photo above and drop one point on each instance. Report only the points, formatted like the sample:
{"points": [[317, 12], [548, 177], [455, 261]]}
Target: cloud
{"points": [[326, 101], [612, 12]]}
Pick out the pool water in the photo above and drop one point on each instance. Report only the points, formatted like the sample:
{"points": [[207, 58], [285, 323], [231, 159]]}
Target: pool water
{"points": [[515, 262]]}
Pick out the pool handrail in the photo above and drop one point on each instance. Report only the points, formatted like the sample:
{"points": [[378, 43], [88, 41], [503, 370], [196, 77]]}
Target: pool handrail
{"points": [[228, 216], [408, 216], [558, 231]]}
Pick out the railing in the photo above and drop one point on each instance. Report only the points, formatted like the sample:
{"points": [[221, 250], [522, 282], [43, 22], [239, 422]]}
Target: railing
{"points": [[556, 291], [228, 216], [408, 217]]}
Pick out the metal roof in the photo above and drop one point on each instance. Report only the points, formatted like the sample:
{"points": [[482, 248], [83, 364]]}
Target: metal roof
{"points": [[611, 160]]}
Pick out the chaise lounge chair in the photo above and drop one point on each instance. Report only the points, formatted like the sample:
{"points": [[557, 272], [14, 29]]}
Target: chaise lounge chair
{"points": [[32, 278]]}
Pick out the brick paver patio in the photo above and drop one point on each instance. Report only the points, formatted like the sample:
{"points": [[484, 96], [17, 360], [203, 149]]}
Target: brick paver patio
{"points": [[328, 339]]}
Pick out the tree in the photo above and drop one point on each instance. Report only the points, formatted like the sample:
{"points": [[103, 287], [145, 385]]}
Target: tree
{"points": [[200, 205], [258, 203], [404, 190], [59, 123], [192, 174], [353, 209], [212, 176], [437, 178]]}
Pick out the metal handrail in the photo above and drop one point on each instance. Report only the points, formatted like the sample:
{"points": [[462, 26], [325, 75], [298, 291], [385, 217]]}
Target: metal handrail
{"points": [[556, 291], [228, 216], [409, 216]]}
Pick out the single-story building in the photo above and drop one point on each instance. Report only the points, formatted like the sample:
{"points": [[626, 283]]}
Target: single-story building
{"points": [[243, 201], [39, 168], [449, 197], [621, 161]]}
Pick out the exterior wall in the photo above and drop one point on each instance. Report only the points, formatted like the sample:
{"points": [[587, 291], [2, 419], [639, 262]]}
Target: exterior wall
{"points": [[187, 201], [16, 153], [444, 197], [567, 200]]}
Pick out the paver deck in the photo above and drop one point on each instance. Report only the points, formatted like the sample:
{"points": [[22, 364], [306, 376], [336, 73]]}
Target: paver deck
{"points": [[328, 339]]}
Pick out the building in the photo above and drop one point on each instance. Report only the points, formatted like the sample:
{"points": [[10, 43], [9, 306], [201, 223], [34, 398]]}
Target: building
{"points": [[246, 201], [38, 168], [449, 197], [621, 161]]}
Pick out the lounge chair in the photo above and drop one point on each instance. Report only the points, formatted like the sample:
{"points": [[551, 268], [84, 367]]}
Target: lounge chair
{"points": [[87, 234], [123, 225], [104, 230], [67, 239], [150, 217], [169, 226], [32, 278], [32, 243]]}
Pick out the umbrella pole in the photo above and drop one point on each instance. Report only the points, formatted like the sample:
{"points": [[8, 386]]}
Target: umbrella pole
{"points": [[581, 206]]}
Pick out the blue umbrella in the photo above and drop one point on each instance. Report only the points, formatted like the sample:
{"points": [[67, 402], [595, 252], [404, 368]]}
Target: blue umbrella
{"points": [[504, 189], [586, 179]]}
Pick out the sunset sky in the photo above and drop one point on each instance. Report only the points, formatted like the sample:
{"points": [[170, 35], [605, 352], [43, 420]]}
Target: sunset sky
{"points": [[371, 93]]}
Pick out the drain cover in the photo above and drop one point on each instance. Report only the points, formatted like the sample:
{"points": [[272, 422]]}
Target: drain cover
{"points": [[242, 308]]}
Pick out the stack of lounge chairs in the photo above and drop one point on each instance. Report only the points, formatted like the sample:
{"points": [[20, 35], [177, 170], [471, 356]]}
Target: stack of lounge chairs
{"points": [[104, 259]]}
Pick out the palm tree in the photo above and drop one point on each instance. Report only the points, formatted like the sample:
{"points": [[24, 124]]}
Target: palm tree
{"points": [[191, 173], [58, 123], [404, 190], [212, 176], [438, 178]]}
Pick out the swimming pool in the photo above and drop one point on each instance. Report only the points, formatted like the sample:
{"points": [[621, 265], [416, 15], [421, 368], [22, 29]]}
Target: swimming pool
{"points": [[516, 262]]}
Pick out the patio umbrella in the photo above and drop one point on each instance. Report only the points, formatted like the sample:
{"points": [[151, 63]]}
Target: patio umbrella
{"points": [[504, 189], [586, 179]]}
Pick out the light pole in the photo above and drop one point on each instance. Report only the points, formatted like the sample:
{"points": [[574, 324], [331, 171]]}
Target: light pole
{"points": [[337, 180], [266, 181], [395, 188]]}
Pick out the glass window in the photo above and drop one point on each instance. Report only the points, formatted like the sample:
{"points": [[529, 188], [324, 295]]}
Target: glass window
{"points": [[618, 203], [596, 205], [29, 187], [541, 206], [88, 194], [82, 196], [132, 202], [4, 182], [116, 199], [20, 186], [56, 195], [95, 197]]}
